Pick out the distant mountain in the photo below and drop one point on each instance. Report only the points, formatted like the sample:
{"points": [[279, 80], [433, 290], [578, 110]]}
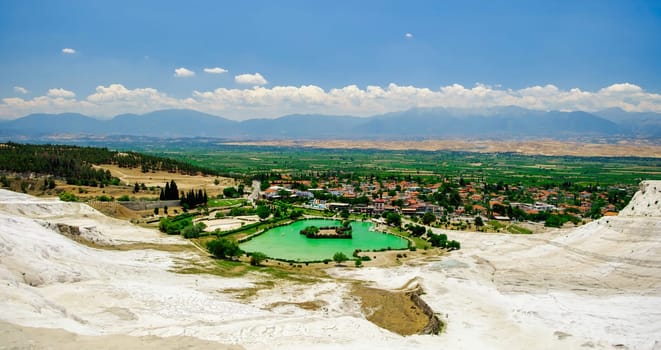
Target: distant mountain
{"points": [[171, 123], [301, 126], [501, 122], [48, 124], [645, 124]]}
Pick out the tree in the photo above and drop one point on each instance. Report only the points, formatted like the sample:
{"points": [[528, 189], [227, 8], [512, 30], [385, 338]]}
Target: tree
{"points": [[439, 240], [295, 214], [263, 211], [4, 181], [479, 222], [156, 211], [428, 218], [453, 245], [416, 230], [340, 257], [230, 192], [223, 248], [256, 258], [344, 214], [359, 263], [394, 219], [174, 192]]}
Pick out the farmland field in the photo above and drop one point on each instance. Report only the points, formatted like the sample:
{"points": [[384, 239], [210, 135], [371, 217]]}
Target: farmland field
{"points": [[249, 161]]}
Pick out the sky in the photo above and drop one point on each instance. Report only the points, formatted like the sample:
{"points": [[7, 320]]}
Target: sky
{"points": [[265, 59]]}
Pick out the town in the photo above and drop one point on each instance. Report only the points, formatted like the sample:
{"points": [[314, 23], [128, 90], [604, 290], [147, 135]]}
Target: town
{"points": [[455, 203]]}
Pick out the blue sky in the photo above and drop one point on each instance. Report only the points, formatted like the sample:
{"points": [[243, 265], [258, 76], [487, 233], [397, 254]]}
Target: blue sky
{"points": [[502, 45]]}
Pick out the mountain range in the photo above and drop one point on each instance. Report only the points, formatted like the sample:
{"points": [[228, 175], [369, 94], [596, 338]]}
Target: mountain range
{"points": [[417, 123]]}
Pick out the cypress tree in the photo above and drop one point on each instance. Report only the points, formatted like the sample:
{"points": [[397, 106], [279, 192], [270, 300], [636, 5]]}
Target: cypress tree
{"points": [[173, 188]]}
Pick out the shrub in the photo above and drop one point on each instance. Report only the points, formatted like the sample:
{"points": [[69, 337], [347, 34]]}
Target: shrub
{"points": [[340, 257], [256, 258], [104, 198], [223, 248], [68, 197], [193, 231]]}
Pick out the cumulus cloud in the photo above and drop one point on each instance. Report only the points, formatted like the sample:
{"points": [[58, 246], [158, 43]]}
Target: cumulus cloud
{"points": [[68, 51], [250, 79], [183, 73], [61, 93], [275, 101], [408, 35], [21, 90], [215, 70], [622, 88]]}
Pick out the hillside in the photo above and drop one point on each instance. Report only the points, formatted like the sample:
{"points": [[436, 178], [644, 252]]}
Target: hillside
{"points": [[503, 122], [52, 282], [595, 286], [75, 164]]}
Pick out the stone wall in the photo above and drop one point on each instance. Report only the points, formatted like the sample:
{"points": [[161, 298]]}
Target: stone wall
{"points": [[146, 205]]}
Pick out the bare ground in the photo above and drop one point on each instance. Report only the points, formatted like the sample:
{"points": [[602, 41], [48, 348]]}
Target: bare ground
{"points": [[392, 310], [159, 178], [19, 337]]}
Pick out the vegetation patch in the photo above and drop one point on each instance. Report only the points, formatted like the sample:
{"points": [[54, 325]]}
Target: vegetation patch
{"points": [[518, 230], [225, 202], [305, 305], [343, 231]]}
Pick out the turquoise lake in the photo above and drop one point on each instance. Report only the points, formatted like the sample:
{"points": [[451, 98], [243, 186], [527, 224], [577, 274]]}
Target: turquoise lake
{"points": [[285, 242]]}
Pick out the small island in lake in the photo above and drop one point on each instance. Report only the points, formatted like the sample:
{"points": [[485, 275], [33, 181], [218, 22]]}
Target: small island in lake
{"points": [[343, 231]]}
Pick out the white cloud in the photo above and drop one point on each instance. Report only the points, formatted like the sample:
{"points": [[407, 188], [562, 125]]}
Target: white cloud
{"points": [[68, 51], [276, 101], [250, 79], [183, 73], [21, 90], [61, 93], [622, 88], [408, 35], [215, 70]]}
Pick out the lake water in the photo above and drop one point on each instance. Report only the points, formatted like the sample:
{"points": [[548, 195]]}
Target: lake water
{"points": [[285, 242]]}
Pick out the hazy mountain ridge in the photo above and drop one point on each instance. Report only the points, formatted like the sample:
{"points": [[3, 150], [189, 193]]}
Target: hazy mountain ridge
{"points": [[414, 123]]}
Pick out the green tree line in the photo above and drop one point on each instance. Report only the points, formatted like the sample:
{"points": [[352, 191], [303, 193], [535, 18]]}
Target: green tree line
{"points": [[74, 163]]}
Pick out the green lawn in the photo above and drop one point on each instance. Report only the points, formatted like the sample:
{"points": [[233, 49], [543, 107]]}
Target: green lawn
{"points": [[225, 202], [496, 224], [517, 229], [419, 242]]}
